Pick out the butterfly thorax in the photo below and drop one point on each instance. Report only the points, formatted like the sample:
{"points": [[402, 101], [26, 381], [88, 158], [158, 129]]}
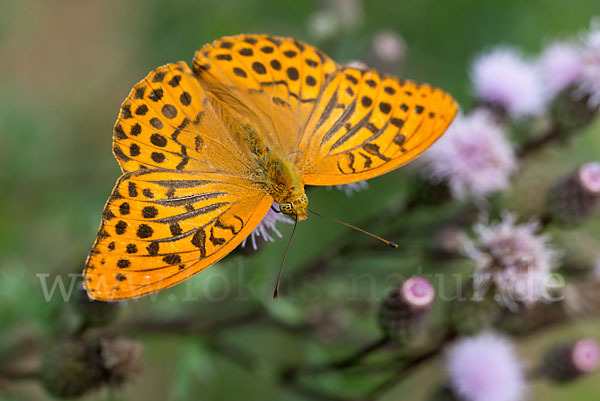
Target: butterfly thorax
{"points": [[278, 177], [286, 187]]}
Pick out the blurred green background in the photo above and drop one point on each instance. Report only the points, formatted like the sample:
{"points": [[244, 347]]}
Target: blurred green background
{"points": [[67, 65]]}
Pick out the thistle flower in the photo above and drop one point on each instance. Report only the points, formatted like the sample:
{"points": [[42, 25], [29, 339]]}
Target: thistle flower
{"points": [[406, 308], [589, 82], [503, 77], [485, 368], [121, 358], [267, 227], [75, 367], [66, 370], [335, 16], [575, 197], [569, 361], [513, 259], [473, 157], [389, 47], [560, 65]]}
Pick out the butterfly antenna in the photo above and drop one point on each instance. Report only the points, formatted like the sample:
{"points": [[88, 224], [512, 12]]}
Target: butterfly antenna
{"points": [[390, 243], [276, 292]]}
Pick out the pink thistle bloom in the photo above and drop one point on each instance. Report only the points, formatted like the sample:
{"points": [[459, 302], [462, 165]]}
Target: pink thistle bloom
{"points": [[586, 355], [589, 83], [503, 77], [513, 258], [485, 368], [389, 47], [267, 226], [472, 157], [417, 292], [561, 65]]}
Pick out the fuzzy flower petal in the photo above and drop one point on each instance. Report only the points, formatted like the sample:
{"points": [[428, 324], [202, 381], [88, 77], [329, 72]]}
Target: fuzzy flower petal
{"points": [[267, 226], [473, 157], [512, 258], [485, 368], [504, 78], [589, 83], [561, 65]]}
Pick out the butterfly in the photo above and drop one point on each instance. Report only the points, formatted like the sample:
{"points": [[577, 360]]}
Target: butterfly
{"points": [[206, 151]]}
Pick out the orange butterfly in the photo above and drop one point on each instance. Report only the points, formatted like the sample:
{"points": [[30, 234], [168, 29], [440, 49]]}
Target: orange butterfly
{"points": [[204, 153]]}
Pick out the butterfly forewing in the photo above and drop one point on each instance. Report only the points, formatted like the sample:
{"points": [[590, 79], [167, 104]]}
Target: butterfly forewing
{"points": [[188, 196], [367, 124], [166, 122], [160, 227], [280, 78]]}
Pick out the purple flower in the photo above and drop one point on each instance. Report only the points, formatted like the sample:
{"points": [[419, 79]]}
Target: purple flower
{"points": [[389, 47], [586, 355], [473, 157], [512, 258], [504, 78], [485, 368], [560, 65], [267, 226], [589, 83]]}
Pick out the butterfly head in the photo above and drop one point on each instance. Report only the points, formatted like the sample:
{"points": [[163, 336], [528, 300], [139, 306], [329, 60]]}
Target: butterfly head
{"points": [[295, 207]]}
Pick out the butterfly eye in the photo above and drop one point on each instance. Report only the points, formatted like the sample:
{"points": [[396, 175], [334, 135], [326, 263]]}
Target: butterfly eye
{"points": [[286, 207]]}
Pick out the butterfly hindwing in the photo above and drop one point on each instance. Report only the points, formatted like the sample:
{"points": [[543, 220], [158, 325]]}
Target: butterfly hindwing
{"points": [[160, 227], [367, 124]]}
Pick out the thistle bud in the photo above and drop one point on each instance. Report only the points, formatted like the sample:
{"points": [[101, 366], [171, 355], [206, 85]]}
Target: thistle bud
{"points": [[75, 367], [121, 358], [569, 361], [470, 316], [66, 371], [574, 198], [95, 313], [406, 308], [571, 112]]}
